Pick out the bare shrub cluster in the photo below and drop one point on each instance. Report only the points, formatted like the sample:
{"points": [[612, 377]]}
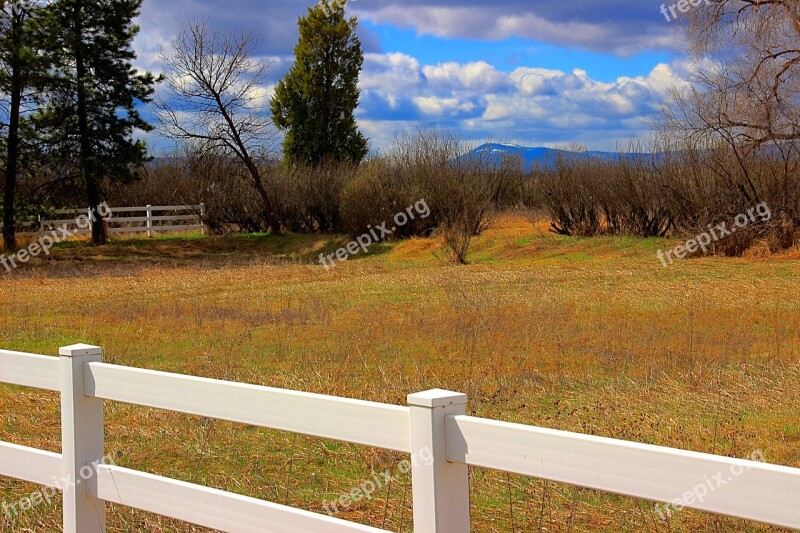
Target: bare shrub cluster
{"points": [[375, 194], [307, 199], [464, 190], [670, 189], [593, 195], [664, 189]]}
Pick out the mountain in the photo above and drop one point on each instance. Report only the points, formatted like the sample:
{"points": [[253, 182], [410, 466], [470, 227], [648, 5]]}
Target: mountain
{"points": [[541, 157]]}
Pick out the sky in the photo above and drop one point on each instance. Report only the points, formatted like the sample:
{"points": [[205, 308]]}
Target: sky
{"points": [[532, 72]]}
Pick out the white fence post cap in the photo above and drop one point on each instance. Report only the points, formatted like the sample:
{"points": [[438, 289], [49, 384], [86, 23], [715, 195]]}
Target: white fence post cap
{"points": [[78, 350], [437, 398]]}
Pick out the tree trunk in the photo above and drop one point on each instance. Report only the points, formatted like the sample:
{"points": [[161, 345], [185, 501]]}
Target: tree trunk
{"points": [[9, 197], [86, 172], [268, 212], [9, 237]]}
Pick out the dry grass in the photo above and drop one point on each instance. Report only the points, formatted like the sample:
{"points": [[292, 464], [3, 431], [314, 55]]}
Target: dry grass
{"points": [[589, 335]]}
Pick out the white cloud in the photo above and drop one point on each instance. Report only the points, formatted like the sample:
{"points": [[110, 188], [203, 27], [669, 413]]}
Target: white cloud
{"points": [[260, 96], [478, 75], [625, 31], [535, 105], [431, 105], [396, 70]]}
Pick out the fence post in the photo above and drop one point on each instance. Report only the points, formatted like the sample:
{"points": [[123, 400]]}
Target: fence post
{"points": [[149, 220], [202, 218], [440, 489], [82, 441]]}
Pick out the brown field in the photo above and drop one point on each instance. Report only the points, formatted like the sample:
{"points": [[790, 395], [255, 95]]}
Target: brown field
{"points": [[586, 335]]}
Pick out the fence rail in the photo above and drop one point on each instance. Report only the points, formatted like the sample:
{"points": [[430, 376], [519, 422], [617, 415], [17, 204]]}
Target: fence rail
{"points": [[434, 424], [356, 421], [208, 507], [28, 464], [146, 220]]}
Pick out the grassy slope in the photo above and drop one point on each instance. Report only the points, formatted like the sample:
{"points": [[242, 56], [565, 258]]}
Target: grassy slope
{"points": [[589, 335]]}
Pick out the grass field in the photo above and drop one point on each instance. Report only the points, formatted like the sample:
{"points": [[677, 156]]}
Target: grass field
{"points": [[587, 335]]}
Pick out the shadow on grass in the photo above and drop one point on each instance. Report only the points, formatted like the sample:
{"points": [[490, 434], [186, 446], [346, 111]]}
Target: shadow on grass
{"points": [[191, 249]]}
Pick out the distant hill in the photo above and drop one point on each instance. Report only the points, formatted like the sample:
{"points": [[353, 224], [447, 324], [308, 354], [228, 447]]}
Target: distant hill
{"points": [[494, 153], [541, 157]]}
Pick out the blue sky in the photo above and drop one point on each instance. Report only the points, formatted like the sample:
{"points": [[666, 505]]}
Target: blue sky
{"points": [[534, 72]]}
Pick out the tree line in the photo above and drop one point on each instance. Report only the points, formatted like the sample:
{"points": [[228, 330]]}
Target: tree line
{"points": [[726, 143], [67, 69], [75, 100]]}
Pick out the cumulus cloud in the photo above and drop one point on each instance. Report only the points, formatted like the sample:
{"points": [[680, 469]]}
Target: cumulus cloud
{"points": [[477, 76], [622, 27], [400, 71], [533, 105]]}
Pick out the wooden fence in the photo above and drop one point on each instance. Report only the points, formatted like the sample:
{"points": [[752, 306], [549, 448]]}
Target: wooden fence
{"points": [[149, 219], [434, 424]]}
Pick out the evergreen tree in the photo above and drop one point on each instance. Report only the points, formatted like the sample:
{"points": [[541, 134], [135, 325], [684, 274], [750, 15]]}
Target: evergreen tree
{"points": [[92, 113], [314, 104], [21, 66]]}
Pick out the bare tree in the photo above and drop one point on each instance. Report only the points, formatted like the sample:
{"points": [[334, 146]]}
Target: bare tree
{"points": [[750, 88], [743, 109], [215, 89]]}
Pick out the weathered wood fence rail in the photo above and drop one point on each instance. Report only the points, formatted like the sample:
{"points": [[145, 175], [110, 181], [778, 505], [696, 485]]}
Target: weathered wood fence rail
{"points": [[434, 424], [148, 219]]}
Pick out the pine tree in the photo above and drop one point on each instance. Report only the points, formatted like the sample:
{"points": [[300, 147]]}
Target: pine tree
{"points": [[314, 104], [21, 67], [92, 112]]}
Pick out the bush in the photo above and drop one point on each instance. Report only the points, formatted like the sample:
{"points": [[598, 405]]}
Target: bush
{"points": [[569, 192], [673, 190], [376, 194], [467, 198], [667, 190], [307, 199], [463, 193]]}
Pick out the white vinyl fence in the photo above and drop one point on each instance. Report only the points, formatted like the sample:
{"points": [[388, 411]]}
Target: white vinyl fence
{"points": [[149, 219], [434, 424]]}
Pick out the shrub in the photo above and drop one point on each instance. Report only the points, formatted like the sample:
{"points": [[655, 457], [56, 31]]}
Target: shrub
{"points": [[307, 199], [464, 193], [376, 194]]}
